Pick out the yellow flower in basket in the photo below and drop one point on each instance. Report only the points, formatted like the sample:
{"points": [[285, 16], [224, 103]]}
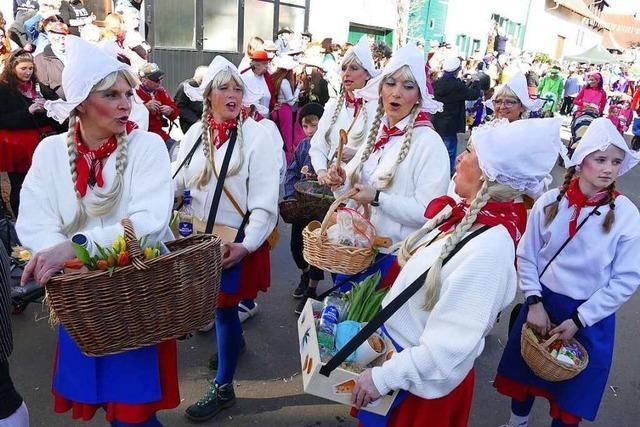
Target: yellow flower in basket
{"points": [[119, 245]]}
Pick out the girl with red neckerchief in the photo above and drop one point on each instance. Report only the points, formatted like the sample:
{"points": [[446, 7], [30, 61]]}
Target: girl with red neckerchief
{"points": [[582, 288], [439, 332]]}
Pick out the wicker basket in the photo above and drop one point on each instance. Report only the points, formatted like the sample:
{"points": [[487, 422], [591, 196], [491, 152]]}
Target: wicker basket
{"points": [[543, 364], [314, 199], [331, 257], [291, 212], [141, 304]]}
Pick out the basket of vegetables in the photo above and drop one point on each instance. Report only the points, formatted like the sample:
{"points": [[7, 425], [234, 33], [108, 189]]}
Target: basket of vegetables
{"points": [[550, 358], [132, 295]]}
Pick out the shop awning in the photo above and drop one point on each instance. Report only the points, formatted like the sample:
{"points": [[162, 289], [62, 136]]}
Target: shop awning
{"points": [[579, 7]]}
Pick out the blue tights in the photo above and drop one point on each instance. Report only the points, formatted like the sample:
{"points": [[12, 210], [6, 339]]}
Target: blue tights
{"points": [[151, 422], [522, 409], [229, 336]]}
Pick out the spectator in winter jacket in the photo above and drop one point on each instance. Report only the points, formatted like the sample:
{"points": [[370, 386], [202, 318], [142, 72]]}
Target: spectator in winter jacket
{"points": [[190, 111], [157, 100], [76, 15], [592, 95], [49, 63], [452, 92], [552, 86], [22, 6]]}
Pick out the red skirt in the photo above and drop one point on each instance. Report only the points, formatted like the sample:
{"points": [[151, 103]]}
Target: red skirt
{"points": [[17, 147], [452, 410], [126, 413], [255, 276], [520, 391]]}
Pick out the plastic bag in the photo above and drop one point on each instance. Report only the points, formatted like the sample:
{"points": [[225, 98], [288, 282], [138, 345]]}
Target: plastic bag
{"points": [[351, 229]]}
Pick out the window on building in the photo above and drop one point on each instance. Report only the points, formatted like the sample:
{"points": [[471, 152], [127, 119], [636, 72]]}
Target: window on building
{"points": [[174, 23], [292, 17], [220, 25], [258, 19], [432, 24]]}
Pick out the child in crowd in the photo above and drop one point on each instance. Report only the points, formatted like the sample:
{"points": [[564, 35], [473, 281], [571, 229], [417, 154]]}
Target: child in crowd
{"points": [[308, 117]]}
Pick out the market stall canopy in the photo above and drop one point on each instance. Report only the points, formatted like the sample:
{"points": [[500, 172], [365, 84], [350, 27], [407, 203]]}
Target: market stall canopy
{"points": [[595, 55]]}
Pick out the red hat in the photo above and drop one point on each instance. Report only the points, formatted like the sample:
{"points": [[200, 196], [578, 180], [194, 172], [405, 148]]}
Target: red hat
{"points": [[260, 55]]}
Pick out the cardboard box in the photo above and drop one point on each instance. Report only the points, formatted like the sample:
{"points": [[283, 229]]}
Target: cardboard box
{"points": [[338, 386]]}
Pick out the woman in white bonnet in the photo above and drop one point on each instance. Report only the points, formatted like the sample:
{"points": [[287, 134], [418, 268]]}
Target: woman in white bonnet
{"points": [[575, 290], [81, 185], [511, 100], [439, 332]]}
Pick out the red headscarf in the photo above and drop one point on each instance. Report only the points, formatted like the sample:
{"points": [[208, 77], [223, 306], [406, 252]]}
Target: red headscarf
{"points": [[493, 213], [89, 163], [576, 197]]}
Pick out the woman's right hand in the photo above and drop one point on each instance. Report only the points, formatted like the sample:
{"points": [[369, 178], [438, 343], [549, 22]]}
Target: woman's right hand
{"points": [[44, 264], [539, 319], [336, 176], [37, 106]]}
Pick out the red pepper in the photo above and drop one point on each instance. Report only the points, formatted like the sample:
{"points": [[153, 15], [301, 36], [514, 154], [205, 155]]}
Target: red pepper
{"points": [[123, 259]]}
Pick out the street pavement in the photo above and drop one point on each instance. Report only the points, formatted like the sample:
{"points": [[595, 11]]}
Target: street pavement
{"points": [[268, 383]]}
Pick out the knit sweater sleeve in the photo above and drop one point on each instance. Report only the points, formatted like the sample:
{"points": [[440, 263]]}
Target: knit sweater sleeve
{"points": [[319, 151], [625, 270], [475, 287], [530, 245]]}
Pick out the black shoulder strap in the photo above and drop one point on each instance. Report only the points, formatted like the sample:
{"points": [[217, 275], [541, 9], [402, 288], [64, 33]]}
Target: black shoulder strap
{"points": [[388, 311], [566, 242], [187, 160], [220, 184]]}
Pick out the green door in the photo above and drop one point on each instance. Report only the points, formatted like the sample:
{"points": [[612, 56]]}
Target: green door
{"points": [[427, 19]]}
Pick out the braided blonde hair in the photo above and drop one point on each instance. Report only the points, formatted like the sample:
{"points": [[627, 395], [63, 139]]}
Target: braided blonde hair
{"points": [[488, 191], [109, 200], [209, 150], [358, 137]]}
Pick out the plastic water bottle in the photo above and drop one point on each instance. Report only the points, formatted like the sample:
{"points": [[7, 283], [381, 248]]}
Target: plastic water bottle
{"points": [[329, 319], [185, 224]]}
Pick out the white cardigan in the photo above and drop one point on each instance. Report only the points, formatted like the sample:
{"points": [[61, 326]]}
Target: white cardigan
{"points": [[319, 151], [48, 197], [601, 268], [440, 346], [255, 187], [422, 176]]}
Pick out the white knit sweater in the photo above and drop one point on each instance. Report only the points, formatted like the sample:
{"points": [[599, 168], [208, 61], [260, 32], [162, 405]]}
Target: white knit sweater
{"points": [[255, 187], [422, 176], [320, 152], [601, 268], [48, 197], [440, 346]]}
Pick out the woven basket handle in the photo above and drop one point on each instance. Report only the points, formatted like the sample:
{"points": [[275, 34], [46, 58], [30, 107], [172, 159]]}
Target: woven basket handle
{"points": [[550, 341], [334, 206], [133, 246]]}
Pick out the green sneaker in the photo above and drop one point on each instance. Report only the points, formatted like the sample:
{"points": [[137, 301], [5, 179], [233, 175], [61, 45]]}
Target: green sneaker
{"points": [[217, 398]]}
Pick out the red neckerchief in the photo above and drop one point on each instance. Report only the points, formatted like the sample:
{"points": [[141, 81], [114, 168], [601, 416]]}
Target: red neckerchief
{"points": [[28, 89], [576, 197], [224, 128], [492, 214], [89, 163], [355, 103], [422, 119]]}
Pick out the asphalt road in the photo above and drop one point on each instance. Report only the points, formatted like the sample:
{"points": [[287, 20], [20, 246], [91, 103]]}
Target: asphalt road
{"points": [[268, 384]]}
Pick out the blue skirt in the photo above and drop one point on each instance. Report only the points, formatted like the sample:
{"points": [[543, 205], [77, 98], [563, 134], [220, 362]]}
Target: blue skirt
{"points": [[582, 394]]}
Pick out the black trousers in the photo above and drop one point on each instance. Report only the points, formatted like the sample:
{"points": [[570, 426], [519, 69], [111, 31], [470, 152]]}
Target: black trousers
{"points": [[296, 251], [16, 179], [10, 400], [567, 105]]}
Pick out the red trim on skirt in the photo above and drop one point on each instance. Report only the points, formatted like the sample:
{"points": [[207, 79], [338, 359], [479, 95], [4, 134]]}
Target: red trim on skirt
{"points": [[17, 147], [452, 410], [520, 391], [168, 361], [255, 277]]}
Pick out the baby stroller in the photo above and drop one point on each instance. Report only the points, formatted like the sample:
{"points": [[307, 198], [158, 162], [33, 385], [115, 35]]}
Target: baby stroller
{"points": [[21, 296], [546, 110], [635, 129], [579, 125]]}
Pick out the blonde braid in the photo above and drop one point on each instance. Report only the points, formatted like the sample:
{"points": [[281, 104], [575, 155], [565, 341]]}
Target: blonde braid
{"points": [[204, 177], [432, 281], [551, 210], [359, 137], [371, 142], [334, 118], [80, 216], [409, 245], [109, 200], [387, 179]]}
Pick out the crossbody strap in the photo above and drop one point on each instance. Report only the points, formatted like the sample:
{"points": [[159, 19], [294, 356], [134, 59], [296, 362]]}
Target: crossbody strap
{"points": [[211, 220], [187, 160], [566, 242], [388, 311]]}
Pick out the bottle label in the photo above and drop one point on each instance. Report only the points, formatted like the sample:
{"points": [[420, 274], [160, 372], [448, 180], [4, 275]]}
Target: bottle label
{"points": [[185, 229]]}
